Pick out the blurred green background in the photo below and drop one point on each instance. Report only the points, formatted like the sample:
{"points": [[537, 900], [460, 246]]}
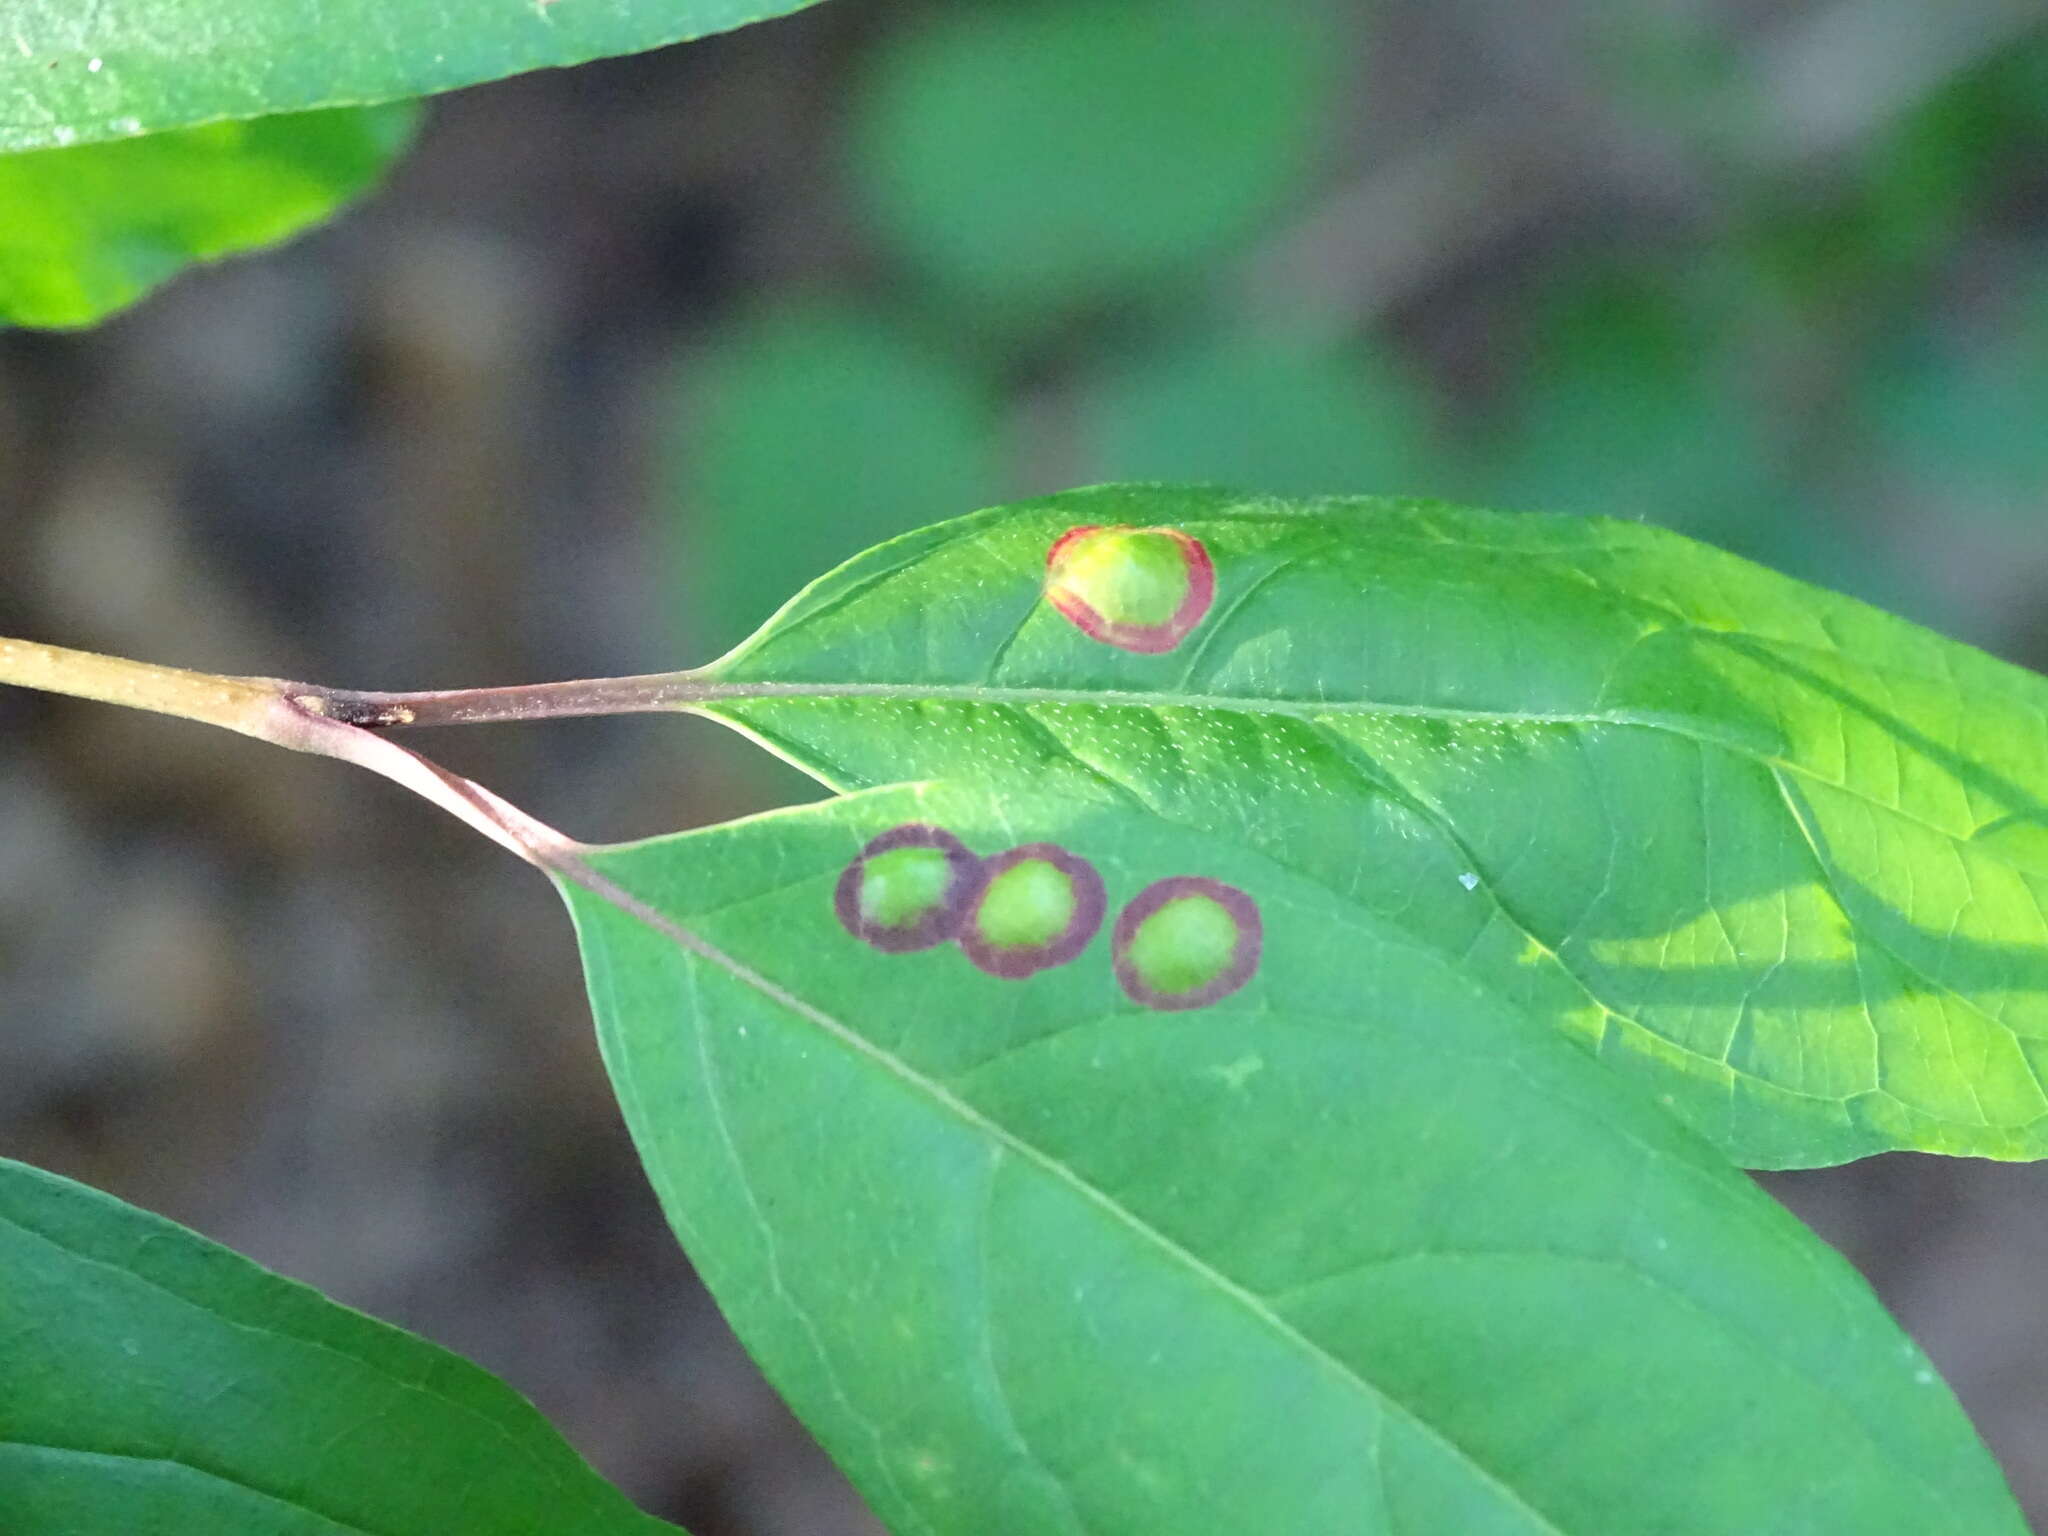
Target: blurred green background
{"points": [[623, 355]]}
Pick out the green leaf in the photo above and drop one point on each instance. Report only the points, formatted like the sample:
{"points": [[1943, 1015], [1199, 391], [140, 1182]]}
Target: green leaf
{"points": [[1237, 410], [1956, 415], [1779, 856], [1038, 155], [1637, 398], [889, 434], [1356, 1248], [90, 229], [153, 1382], [72, 73]]}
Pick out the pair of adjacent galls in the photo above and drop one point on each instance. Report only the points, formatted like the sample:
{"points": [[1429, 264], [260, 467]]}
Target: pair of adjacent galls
{"points": [[1184, 941]]}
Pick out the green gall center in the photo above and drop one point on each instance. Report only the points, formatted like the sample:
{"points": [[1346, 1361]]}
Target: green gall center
{"points": [[1027, 906], [1128, 577], [1185, 945], [901, 886]]}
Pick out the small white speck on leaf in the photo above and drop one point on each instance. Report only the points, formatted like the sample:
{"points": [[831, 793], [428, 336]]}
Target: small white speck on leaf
{"points": [[1469, 880], [94, 66], [1237, 1072], [1924, 1377]]}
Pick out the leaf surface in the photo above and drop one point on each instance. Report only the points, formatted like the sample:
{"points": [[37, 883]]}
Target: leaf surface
{"points": [[1356, 1248], [151, 1381], [1776, 854], [894, 430], [91, 229], [72, 73]]}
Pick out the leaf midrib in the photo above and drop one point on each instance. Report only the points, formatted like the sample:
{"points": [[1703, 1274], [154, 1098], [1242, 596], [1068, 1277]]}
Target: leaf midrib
{"points": [[706, 697], [709, 692]]}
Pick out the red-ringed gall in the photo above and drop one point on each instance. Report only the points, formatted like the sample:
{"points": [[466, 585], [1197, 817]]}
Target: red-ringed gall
{"points": [[908, 889], [1186, 942], [1038, 906], [1138, 589]]}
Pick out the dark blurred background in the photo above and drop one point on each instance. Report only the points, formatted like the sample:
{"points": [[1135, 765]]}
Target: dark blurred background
{"points": [[623, 355]]}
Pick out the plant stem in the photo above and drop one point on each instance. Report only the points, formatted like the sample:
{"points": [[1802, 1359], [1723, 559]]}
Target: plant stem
{"points": [[529, 701], [240, 704], [286, 715], [646, 694], [331, 723]]}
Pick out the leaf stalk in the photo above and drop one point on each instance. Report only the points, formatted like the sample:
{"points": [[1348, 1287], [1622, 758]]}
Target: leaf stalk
{"points": [[288, 715]]}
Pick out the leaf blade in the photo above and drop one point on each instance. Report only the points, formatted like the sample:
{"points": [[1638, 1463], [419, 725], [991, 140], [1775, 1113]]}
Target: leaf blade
{"points": [[95, 228], [78, 74], [155, 1381], [1031, 1238], [1551, 745]]}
